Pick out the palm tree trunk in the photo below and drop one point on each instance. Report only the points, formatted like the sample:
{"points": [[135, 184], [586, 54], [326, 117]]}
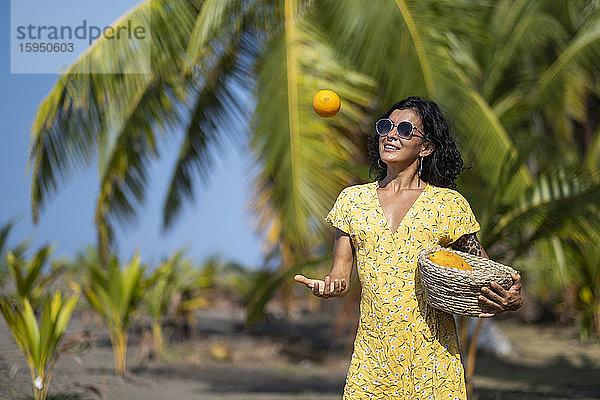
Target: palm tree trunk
{"points": [[103, 237], [119, 344], [464, 334], [597, 319], [158, 338], [472, 355]]}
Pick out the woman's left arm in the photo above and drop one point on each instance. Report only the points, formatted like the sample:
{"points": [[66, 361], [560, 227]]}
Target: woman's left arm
{"points": [[495, 299]]}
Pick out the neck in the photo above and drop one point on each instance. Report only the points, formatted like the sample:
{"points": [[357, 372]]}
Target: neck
{"points": [[398, 180]]}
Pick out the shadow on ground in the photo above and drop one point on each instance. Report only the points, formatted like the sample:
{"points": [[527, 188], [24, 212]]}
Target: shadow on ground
{"points": [[557, 378], [226, 378]]}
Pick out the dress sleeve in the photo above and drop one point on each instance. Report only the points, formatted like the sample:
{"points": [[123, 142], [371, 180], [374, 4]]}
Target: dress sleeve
{"points": [[461, 219], [339, 216]]}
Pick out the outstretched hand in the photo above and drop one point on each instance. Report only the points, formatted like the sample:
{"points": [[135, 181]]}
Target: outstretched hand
{"points": [[323, 288], [495, 299]]}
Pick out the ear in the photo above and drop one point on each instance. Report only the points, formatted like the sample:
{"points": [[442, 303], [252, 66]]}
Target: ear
{"points": [[426, 149]]}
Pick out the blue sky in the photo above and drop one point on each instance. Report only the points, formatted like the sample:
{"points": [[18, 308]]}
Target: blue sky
{"points": [[218, 223]]}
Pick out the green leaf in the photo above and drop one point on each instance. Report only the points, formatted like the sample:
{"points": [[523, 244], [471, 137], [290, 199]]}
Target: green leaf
{"points": [[560, 193], [582, 51], [267, 287], [216, 17], [291, 187], [32, 331], [33, 271]]}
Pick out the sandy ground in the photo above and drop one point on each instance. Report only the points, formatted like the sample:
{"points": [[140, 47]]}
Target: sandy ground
{"points": [[289, 359]]}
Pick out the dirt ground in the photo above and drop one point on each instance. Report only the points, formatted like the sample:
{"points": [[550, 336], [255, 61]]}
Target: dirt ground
{"points": [[288, 359]]}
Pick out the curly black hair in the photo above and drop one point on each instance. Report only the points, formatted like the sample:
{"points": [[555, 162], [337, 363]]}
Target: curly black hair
{"points": [[444, 164]]}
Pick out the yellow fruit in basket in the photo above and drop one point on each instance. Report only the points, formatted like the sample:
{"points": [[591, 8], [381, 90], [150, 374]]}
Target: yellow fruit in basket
{"points": [[326, 103], [449, 259]]}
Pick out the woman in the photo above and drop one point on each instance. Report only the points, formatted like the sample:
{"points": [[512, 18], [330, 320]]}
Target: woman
{"points": [[404, 348]]}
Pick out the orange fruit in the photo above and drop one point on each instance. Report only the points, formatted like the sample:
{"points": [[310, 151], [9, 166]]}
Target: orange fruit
{"points": [[449, 259], [326, 103]]}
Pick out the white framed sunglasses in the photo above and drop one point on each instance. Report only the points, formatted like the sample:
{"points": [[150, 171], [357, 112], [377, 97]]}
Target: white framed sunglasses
{"points": [[405, 128]]}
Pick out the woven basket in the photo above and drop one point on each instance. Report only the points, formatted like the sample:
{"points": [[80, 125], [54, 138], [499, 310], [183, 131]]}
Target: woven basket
{"points": [[457, 291]]}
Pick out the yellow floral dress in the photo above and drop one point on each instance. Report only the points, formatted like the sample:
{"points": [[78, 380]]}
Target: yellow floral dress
{"points": [[403, 349]]}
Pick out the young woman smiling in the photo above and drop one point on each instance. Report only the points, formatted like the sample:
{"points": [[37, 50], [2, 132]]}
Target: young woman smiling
{"points": [[405, 349]]}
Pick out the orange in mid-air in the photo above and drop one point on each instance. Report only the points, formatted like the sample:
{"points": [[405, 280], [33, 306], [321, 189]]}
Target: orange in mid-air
{"points": [[449, 259], [326, 103]]}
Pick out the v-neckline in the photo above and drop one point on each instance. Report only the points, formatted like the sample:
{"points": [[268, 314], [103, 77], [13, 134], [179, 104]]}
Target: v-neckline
{"points": [[387, 224]]}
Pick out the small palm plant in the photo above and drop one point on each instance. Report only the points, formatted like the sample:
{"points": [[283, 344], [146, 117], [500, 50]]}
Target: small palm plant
{"points": [[115, 294], [161, 295], [39, 341], [17, 250], [177, 288], [29, 278]]}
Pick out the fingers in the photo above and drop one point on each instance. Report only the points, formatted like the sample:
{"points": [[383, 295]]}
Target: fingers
{"points": [[336, 287], [339, 286], [325, 288], [494, 294], [316, 288], [322, 288], [498, 289], [330, 287], [516, 282], [501, 299], [489, 307], [304, 280]]}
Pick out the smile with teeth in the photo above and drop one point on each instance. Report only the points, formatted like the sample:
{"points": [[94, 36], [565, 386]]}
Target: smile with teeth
{"points": [[391, 147]]}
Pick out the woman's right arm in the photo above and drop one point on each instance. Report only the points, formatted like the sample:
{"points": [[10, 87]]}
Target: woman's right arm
{"points": [[337, 282]]}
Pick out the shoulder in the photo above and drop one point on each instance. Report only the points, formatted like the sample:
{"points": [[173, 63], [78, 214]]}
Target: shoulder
{"points": [[447, 195], [358, 190]]}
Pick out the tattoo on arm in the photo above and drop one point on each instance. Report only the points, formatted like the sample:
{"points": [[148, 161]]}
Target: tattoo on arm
{"points": [[469, 244]]}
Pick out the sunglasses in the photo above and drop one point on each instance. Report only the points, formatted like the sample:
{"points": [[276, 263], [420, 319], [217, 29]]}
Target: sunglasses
{"points": [[405, 128]]}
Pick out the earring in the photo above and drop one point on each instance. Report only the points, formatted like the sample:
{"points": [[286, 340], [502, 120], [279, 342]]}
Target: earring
{"points": [[384, 166], [420, 171]]}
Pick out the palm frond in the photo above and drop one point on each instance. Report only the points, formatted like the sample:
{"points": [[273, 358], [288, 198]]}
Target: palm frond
{"points": [[483, 137], [216, 17], [591, 159], [84, 112], [565, 193], [582, 52], [268, 283], [217, 117], [124, 172], [296, 179], [4, 232], [419, 44], [522, 27]]}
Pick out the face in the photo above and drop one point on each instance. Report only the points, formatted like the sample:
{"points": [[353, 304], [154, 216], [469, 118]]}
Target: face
{"points": [[402, 152]]}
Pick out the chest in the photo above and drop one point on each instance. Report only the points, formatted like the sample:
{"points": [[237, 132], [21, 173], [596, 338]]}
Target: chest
{"points": [[381, 225], [395, 206]]}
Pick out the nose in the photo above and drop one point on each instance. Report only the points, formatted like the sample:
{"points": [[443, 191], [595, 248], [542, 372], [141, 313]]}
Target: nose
{"points": [[392, 134]]}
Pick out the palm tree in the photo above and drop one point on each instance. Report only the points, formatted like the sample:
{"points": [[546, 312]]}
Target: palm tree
{"points": [[115, 293], [39, 337], [202, 69], [516, 76], [209, 55], [36, 318], [498, 67], [177, 288]]}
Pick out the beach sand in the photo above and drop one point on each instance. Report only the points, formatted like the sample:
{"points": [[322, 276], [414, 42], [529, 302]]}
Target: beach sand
{"points": [[299, 357]]}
